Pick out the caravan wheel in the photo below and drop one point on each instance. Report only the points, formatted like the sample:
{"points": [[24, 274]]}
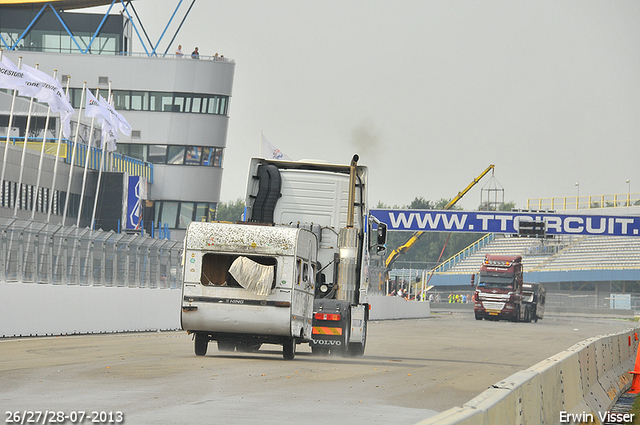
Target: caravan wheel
{"points": [[200, 344], [289, 349]]}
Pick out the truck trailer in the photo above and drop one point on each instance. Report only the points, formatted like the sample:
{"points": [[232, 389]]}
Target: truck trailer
{"points": [[295, 270], [501, 293]]}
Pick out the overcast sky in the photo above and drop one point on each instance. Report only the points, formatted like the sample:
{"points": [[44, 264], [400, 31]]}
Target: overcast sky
{"points": [[429, 93]]}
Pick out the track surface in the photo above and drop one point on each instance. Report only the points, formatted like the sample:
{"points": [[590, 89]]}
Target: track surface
{"points": [[411, 369]]}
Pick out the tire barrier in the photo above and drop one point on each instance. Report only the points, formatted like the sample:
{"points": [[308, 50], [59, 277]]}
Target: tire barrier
{"points": [[577, 385]]}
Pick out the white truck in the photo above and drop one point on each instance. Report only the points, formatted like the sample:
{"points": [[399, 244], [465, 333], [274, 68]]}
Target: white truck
{"points": [[295, 271]]}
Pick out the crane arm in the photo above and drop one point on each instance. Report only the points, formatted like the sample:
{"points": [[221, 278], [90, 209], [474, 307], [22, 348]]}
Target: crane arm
{"points": [[393, 256], [468, 188]]}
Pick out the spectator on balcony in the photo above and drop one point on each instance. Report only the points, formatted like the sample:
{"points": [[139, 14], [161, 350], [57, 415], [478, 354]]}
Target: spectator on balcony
{"points": [[179, 53], [195, 54]]}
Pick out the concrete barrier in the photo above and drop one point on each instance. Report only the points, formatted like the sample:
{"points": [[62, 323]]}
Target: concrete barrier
{"points": [[30, 309], [584, 380], [385, 307]]}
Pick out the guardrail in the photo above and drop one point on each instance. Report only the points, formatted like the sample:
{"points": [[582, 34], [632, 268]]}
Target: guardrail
{"points": [[450, 262], [44, 253], [114, 161], [577, 385], [580, 202]]}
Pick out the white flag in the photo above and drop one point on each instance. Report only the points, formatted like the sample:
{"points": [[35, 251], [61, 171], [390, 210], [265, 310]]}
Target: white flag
{"points": [[51, 92], [109, 137], [93, 108], [271, 152], [13, 78], [115, 118]]}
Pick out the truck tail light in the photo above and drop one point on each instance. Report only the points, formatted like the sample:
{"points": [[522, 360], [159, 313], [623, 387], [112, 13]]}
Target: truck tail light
{"points": [[283, 304], [327, 316]]}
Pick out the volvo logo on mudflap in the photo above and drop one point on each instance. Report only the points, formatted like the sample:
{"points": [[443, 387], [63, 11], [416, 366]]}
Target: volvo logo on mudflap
{"points": [[326, 342]]}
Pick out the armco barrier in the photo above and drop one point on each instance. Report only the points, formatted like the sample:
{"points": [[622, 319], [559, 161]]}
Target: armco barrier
{"points": [[585, 379]]}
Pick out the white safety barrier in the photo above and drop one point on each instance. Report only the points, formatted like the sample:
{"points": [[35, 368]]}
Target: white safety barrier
{"points": [[583, 380], [387, 307], [30, 309]]}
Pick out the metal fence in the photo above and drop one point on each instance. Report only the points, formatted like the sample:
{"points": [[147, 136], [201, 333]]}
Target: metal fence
{"points": [[32, 252]]}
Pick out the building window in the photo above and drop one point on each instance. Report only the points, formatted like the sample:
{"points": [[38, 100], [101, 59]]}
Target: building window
{"points": [[169, 213], [186, 214], [194, 103], [178, 215], [139, 101], [157, 154], [176, 155], [194, 155], [173, 154]]}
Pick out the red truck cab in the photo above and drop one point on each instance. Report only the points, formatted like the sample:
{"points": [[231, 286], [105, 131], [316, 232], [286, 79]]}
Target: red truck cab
{"points": [[499, 290]]}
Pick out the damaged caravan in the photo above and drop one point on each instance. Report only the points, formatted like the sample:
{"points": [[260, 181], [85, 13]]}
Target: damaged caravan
{"points": [[245, 285]]}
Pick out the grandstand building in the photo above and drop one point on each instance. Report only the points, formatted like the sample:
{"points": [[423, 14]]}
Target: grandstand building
{"points": [[579, 272], [178, 108]]}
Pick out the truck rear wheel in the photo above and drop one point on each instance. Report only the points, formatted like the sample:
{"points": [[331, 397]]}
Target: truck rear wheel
{"points": [[289, 349], [201, 342]]}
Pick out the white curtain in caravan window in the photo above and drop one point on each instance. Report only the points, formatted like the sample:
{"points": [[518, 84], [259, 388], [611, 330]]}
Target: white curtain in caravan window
{"points": [[255, 278]]}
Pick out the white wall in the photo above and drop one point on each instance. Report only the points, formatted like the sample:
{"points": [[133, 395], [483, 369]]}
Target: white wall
{"points": [[383, 308], [35, 309]]}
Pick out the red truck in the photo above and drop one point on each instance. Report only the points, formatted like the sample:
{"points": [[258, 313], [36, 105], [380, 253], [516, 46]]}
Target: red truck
{"points": [[501, 292]]}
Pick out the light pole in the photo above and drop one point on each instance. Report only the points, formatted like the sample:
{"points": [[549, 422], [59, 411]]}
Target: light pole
{"points": [[578, 195], [628, 192]]}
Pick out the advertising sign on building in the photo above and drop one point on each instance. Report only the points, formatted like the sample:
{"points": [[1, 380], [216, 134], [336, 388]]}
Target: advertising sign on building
{"points": [[136, 193]]}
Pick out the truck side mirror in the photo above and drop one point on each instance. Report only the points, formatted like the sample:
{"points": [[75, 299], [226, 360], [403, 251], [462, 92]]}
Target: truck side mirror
{"points": [[381, 234], [381, 238]]}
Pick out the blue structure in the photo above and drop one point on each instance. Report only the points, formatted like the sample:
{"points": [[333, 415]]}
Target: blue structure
{"points": [[151, 49]]}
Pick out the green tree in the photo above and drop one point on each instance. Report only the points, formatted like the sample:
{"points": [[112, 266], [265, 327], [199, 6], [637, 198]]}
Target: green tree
{"points": [[230, 211], [505, 206]]}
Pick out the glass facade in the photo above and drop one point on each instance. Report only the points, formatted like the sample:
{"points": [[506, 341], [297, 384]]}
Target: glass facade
{"points": [[47, 34], [177, 215], [133, 100], [173, 154]]}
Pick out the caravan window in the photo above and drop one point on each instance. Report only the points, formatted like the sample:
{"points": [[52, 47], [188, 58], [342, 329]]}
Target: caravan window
{"points": [[215, 269]]}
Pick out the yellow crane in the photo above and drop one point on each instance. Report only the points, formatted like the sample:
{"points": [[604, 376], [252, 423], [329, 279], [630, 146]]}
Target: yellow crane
{"points": [[393, 256]]}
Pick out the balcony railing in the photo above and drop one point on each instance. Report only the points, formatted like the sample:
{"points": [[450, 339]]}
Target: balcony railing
{"points": [[113, 161]]}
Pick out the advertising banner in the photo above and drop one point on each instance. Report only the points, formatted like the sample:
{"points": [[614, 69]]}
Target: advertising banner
{"points": [[136, 193], [507, 222]]}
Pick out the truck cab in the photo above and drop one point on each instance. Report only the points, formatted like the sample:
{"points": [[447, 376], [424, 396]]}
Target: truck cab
{"points": [[295, 270], [498, 292]]}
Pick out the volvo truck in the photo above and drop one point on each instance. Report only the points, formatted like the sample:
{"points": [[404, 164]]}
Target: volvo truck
{"points": [[294, 270], [501, 292]]}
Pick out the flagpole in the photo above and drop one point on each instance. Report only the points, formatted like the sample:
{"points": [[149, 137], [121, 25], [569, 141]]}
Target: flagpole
{"points": [[23, 157], [44, 141], [55, 166], [104, 143], [73, 156], [6, 146], [86, 165]]}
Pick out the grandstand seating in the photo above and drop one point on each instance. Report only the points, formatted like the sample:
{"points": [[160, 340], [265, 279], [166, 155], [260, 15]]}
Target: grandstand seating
{"points": [[563, 253]]}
